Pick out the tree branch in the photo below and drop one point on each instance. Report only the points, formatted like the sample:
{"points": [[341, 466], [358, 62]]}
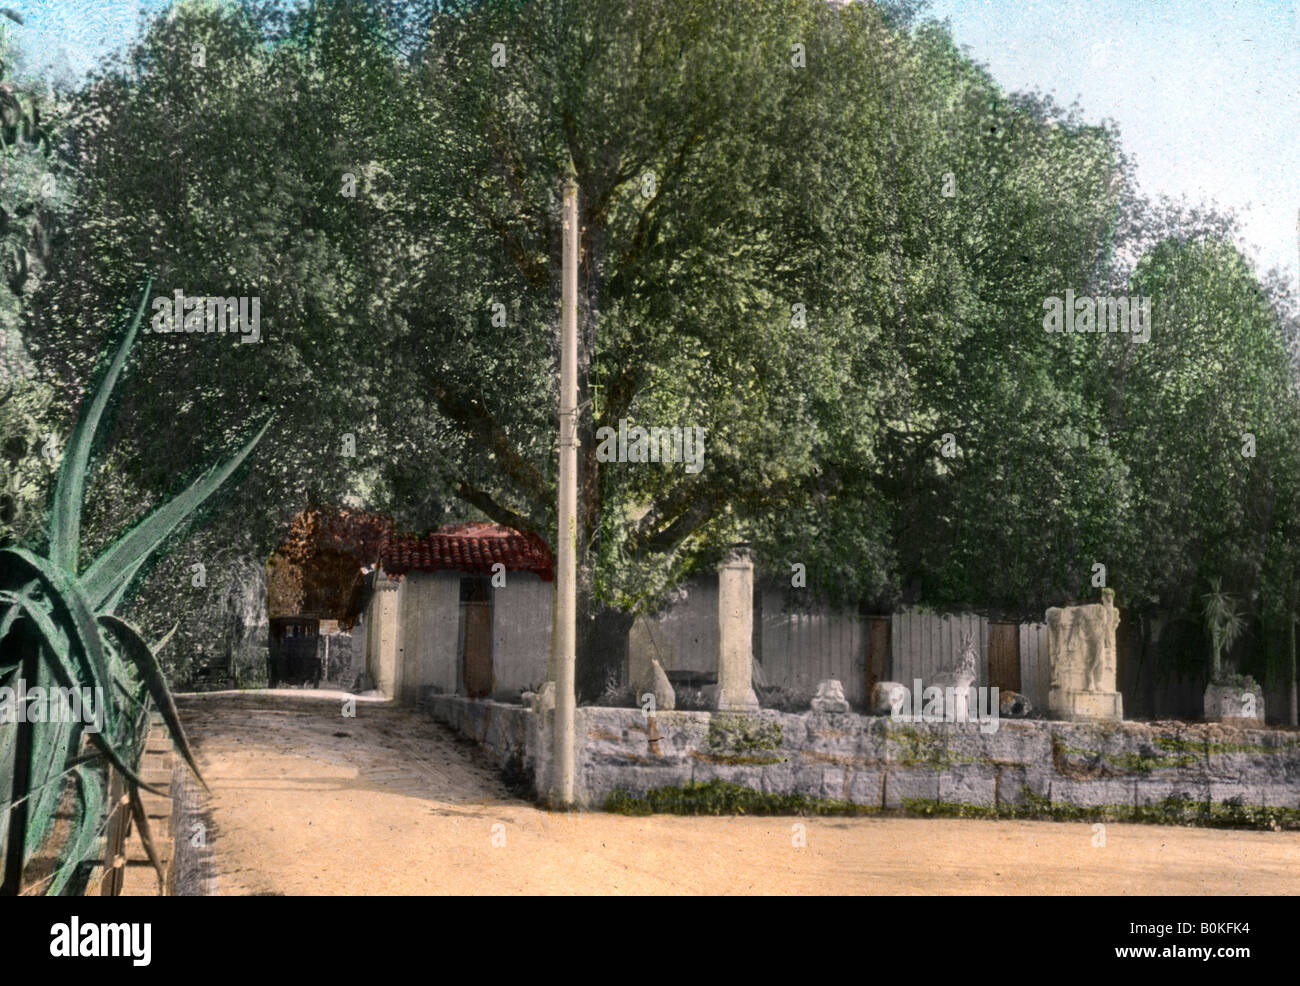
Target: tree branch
{"points": [[475, 419], [497, 511]]}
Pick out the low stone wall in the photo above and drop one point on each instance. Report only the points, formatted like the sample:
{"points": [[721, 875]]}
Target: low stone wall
{"points": [[507, 733], [878, 763]]}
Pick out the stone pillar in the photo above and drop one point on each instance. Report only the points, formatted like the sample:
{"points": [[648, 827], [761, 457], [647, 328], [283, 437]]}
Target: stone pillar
{"points": [[640, 650], [1081, 647], [735, 689], [381, 634]]}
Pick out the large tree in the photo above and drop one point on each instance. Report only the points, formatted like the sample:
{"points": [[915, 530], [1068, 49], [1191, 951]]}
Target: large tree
{"points": [[820, 233]]}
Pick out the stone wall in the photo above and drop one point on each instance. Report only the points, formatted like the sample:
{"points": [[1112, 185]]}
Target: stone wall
{"points": [[508, 734], [879, 763]]}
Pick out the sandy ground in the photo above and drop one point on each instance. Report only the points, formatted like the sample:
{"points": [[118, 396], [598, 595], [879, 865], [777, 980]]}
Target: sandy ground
{"points": [[305, 801]]}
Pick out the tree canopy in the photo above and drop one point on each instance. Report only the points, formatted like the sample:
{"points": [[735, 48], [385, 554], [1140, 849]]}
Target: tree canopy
{"points": [[822, 234]]}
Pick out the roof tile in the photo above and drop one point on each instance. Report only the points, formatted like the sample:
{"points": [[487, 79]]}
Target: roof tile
{"points": [[473, 547]]}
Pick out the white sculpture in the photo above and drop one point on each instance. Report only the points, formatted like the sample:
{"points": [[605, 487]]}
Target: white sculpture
{"points": [[1081, 648], [830, 697], [957, 680]]}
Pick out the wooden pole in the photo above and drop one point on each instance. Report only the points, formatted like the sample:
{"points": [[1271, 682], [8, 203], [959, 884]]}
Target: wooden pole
{"points": [[1293, 712], [566, 541]]}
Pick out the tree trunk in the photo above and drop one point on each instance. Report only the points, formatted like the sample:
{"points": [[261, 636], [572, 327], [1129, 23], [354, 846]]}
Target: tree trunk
{"points": [[602, 647], [1290, 647]]}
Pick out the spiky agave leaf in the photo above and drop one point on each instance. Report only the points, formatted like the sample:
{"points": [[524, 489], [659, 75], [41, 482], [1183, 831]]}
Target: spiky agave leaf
{"points": [[92, 795], [48, 759], [57, 663], [146, 663], [110, 575], [70, 608], [7, 597], [80, 644], [69, 491], [43, 762], [94, 810]]}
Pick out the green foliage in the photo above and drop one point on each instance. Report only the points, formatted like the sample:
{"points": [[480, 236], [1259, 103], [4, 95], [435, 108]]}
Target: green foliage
{"points": [[1223, 623], [58, 630], [1173, 810], [1242, 681], [36, 196], [736, 738], [770, 187], [26, 425], [724, 798]]}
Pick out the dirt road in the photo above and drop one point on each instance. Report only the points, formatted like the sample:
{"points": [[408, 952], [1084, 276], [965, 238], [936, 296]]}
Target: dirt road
{"points": [[306, 801]]}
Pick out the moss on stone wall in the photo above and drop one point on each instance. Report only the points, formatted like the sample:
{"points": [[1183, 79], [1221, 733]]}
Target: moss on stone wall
{"points": [[737, 739], [926, 748], [1126, 762], [1170, 811], [719, 797], [1171, 753], [1211, 748]]}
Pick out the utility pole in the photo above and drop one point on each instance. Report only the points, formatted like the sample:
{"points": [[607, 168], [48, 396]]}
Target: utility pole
{"points": [[1293, 712], [566, 610]]}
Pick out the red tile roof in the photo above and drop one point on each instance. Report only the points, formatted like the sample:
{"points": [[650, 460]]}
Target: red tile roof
{"points": [[473, 547]]}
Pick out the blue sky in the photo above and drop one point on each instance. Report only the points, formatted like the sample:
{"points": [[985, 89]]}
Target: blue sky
{"points": [[1206, 93], [79, 31]]}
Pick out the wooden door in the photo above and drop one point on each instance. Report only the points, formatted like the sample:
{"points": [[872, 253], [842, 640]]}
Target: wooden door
{"points": [[1004, 656], [877, 651], [477, 667]]}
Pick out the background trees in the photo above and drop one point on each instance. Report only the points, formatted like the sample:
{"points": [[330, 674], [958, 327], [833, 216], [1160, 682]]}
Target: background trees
{"points": [[822, 234], [35, 194]]}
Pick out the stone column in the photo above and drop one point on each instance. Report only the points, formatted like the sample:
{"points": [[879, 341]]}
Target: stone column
{"points": [[736, 633], [381, 634]]}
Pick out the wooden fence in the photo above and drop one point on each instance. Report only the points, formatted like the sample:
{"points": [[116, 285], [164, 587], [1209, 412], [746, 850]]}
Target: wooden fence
{"points": [[119, 863]]}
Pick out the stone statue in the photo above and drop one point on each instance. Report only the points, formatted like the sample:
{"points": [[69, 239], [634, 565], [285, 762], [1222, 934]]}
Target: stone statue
{"points": [[830, 697], [1081, 648], [957, 680]]}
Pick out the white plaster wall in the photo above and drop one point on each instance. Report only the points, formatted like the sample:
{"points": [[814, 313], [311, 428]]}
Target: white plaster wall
{"points": [[521, 631], [684, 637], [798, 645], [429, 608]]}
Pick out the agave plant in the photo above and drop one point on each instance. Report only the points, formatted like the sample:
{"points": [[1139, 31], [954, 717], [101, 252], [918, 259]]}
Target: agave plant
{"points": [[1223, 623], [58, 630]]}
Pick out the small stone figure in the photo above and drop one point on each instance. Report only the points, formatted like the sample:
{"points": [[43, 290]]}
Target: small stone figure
{"points": [[655, 682], [830, 697]]}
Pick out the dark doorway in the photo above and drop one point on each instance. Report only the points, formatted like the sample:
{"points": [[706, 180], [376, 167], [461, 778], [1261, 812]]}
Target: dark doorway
{"points": [[476, 636], [292, 656], [1004, 656], [878, 668]]}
